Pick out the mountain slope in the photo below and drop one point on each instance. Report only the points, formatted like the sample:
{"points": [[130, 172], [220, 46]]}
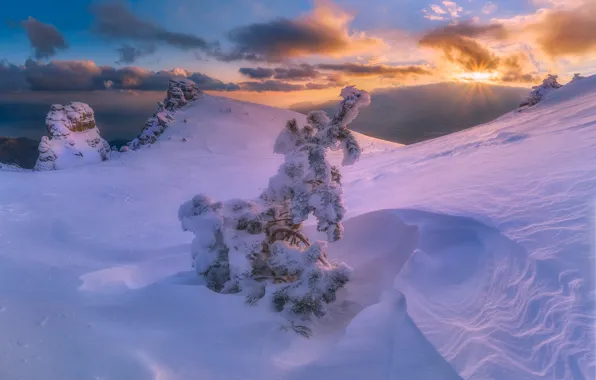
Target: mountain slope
{"points": [[412, 114], [487, 232]]}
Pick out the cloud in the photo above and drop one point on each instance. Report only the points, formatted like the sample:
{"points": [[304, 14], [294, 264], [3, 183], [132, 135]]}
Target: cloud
{"points": [[514, 68], [296, 72], [322, 32], [301, 71], [257, 72], [470, 29], [360, 70], [449, 9], [489, 8], [11, 77], [453, 9], [459, 46], [129, 54], [566, 32], [87, 76], [282, 86], [437, 9], [205, 82], [116, 21], [45, 39], [271, 85]]}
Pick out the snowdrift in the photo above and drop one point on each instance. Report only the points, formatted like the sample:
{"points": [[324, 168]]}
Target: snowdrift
{"points": [[472, 256]]}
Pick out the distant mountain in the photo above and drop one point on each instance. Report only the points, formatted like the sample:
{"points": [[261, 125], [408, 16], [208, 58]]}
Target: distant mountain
{"points": [[20, 151], [412, 114]]}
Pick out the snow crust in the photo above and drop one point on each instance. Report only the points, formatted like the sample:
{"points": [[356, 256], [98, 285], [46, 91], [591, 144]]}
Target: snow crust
{"points": [[487, 233]]}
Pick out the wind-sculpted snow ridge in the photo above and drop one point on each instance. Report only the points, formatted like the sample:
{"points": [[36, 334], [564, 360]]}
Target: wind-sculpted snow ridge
{"points": [[74, 138], [180, 93]]}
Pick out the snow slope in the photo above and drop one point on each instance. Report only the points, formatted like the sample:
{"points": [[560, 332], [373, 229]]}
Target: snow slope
{"points": [[488, 233]]}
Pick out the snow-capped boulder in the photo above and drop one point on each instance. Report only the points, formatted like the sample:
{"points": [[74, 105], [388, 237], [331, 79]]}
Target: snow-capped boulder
{"points": [[73, 138], [180, 93], [539, 92]]}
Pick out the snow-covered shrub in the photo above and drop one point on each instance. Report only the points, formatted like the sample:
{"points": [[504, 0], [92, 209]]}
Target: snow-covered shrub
{"points": [[538, 92], [259, 247], [577, 77]]}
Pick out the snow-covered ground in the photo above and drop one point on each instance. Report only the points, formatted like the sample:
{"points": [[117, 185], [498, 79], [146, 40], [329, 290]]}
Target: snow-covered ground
{"points": [[473, 256]]}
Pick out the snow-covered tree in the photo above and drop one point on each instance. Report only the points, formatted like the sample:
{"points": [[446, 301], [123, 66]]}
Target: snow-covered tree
{"points": [[259, 247], [577, 77], [538, 92]]}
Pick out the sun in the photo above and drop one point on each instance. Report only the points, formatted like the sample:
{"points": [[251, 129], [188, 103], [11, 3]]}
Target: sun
{"points": [[477, 76]]}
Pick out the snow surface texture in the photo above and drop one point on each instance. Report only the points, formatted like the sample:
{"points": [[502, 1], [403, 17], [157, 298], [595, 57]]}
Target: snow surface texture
{"points": [[180, 92], [489, 234], [74, 138]]}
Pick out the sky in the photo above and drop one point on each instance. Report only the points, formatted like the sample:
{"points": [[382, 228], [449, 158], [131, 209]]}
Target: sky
{"points": [[282, 52]]}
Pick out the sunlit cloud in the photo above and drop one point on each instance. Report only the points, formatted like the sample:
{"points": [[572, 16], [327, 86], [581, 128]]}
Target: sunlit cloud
{"points": [[325, 31]]}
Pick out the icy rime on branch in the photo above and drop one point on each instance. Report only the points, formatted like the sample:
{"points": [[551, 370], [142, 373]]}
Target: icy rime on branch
{"points": [[180, 92], [258, 247]]}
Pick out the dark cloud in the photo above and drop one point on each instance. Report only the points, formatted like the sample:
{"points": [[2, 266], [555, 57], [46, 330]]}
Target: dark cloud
{"points": [[87, 76], [472, 30], [567, 32], [285, 38], [324, 31], [114, 20], [237, 55], [297, 72], [45, 39], [302, 71], [271, 85], [466, 52], [282, 86], [355, 69], [205, 82], [129, 54], [257, 72]]}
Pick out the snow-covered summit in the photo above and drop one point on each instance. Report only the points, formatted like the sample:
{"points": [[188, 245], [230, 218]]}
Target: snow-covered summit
{"points": [[73, 138]]}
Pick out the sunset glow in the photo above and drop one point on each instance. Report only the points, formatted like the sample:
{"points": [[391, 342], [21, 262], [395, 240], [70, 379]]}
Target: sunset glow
{"points": [[281, 54], [478, 76]]}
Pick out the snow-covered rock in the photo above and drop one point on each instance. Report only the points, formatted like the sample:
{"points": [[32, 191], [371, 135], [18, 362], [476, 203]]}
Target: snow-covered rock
{"points": [[74, 138], [180, 92], [539, 92]]}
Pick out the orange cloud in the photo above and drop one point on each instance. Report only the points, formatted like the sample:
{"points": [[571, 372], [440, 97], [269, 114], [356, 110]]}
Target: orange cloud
{"points": [[566, 32]]}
